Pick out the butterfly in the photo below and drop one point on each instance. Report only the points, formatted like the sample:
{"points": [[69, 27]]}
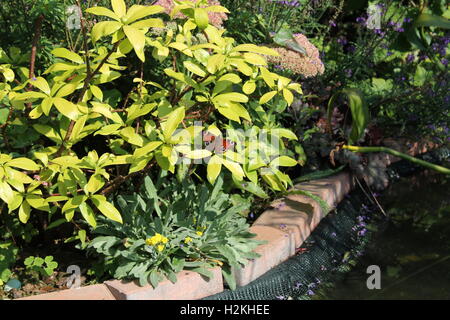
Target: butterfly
{"points": [[216, 143]]}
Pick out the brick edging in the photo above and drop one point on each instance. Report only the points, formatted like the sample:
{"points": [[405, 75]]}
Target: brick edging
{"points": [[284, 228]]}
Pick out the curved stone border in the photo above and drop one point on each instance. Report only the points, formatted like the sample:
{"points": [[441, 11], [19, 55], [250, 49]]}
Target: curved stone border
{"points": [[284, 228]]}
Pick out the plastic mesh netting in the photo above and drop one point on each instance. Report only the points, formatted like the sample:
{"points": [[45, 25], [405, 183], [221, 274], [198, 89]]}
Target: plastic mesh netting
{"points": [[338, 236]]}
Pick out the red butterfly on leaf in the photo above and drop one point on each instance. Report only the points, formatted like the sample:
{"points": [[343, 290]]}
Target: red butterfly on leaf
{"points": [[216, 143]]}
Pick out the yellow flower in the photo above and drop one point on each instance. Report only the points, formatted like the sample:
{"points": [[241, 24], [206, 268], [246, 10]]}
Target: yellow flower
{"points": [[157, 238], [187, 240], [199, 233], [160, 247]]}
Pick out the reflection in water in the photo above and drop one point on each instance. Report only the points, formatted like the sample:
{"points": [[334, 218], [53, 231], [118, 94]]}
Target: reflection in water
{"points": [[412, 247]]}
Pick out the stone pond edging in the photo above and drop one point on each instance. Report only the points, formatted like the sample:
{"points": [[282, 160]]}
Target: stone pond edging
{"points": [[285, 228]]}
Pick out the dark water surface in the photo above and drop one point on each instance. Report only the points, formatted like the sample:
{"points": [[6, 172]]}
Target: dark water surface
{"points": [[412, 247]]}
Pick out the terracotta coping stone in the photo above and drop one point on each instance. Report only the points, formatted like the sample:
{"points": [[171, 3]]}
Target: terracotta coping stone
{"points": [[189, 286], [280, 246], [92, 292]]}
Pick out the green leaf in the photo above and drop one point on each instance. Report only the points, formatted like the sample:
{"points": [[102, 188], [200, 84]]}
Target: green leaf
{"points": [[194, 68], [37, 202], [249, 87], [6, 192], [256, 49], [67, 108], [288, 96], [148, 23], [229, 277], [119, 7], [137, 39], [102, 11], [137, 12], [41, 84], [201, 18], [106, 208], [145, 150], [430, 20], [173, 121], [104, 28], [23, 163], [267, 97], [67, 54], [359, 111], [204, 272], [48, 131], [24, 212], [283, 161], [88, 214], [235, 169], [286, 39]]}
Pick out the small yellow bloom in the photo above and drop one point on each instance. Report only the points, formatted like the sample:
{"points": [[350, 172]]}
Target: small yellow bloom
{"points": [[187, 240], [199, 233], [157, 238], [160, 247]]}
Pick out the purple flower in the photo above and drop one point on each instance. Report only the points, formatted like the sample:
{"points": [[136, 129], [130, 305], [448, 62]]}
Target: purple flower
{"points": [[332, 23], [361, 20], [444, 61], [362, 232], [342, 41], [298, 285], [410, 58], [310, 292]]}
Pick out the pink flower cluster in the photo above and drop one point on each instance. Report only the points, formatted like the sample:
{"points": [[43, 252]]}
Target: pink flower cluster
{"points": [[215, 18], [308, 65]]}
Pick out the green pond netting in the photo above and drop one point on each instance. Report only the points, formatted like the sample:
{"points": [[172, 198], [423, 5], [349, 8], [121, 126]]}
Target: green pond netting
{"points": [[340, 236]]}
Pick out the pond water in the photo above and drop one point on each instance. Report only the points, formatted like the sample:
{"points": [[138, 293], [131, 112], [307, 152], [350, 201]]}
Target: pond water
{"points": [[411, 246]]}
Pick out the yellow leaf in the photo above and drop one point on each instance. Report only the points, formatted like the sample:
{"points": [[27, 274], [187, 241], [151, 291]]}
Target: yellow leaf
{"points": [[255, 59], [119, 7], [194, 68], [214, 168], [24, 212], [288, 96], [137, 40], [267, 97]]}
